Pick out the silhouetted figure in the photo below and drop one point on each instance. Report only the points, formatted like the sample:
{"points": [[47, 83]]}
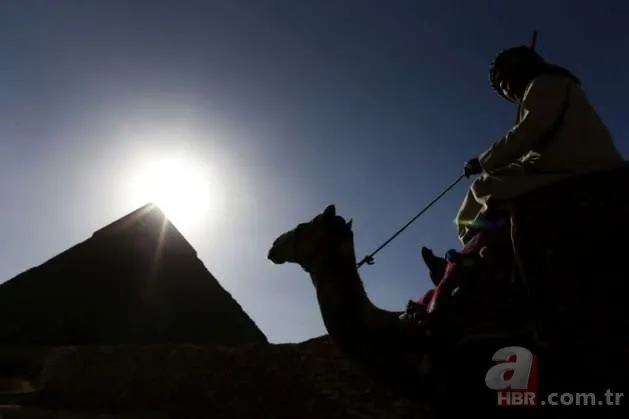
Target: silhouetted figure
{"points": [[558, 135]]}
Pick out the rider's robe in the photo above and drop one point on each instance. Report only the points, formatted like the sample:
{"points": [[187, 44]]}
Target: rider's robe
{"points": [[559, 135]]}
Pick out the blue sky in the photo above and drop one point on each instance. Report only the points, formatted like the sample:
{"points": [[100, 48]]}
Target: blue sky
{"points": [[293, 105]]}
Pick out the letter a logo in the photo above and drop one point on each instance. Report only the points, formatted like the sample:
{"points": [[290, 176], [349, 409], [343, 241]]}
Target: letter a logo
{"points": [[513, 371]]}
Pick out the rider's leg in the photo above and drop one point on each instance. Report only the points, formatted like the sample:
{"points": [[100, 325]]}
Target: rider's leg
{"points": [[468, 213]]}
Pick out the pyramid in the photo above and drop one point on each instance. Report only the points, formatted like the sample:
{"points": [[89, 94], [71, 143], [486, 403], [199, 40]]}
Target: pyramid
{"points": [[134, 281]]}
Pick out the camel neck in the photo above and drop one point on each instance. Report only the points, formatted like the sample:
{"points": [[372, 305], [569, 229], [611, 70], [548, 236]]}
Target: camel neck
{"points": [[342, 300], [341, 279]]}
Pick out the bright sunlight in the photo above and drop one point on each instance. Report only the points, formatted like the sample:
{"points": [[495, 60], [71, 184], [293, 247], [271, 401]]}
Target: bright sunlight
{"points": [[180, 186]]}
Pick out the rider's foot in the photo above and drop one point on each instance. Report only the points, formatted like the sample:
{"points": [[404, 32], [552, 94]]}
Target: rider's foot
{"points": [[436, 265]]}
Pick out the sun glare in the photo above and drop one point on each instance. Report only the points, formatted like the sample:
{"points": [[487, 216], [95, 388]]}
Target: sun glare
{"points": [[180, 186]]}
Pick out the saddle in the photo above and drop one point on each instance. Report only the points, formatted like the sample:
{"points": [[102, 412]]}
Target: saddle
{"points": [[473, 290]]}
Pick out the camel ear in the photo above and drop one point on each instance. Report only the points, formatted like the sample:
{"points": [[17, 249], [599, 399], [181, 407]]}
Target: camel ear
{"points": [[330, 211], [349, 223]]}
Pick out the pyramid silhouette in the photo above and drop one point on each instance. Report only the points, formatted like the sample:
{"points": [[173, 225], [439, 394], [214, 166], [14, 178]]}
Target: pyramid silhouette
{"points": [[135, 281]]}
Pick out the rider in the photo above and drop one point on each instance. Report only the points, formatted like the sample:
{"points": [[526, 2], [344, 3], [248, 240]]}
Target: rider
{"points": [[558, 135]]}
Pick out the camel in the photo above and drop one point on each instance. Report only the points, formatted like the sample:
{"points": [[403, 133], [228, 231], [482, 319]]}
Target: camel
{"points": [[391, 351], [565, 256], [410, 359], [371, 336]]}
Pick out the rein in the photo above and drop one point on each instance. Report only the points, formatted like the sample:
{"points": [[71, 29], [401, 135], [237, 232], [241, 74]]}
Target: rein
{"points": [[369, 258]]}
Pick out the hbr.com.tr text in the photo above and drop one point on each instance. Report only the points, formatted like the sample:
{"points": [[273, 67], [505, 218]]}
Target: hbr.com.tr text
{"points": [[559, 399]]}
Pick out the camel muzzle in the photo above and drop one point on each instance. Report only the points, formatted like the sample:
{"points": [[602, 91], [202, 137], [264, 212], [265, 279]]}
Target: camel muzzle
{"points": [[274, 256]]}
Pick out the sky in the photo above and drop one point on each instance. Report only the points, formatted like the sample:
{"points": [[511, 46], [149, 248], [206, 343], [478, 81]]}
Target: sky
{"points": [[289, 106]]}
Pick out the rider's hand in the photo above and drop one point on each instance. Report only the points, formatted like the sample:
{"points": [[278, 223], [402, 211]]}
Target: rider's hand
{"points": [[472, 167]]}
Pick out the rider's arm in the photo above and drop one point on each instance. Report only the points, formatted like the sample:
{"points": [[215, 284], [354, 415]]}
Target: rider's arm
{"points": [[542, 103]]}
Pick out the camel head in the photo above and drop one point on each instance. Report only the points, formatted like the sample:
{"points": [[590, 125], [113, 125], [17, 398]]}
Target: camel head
{"points": [[326, 235]]}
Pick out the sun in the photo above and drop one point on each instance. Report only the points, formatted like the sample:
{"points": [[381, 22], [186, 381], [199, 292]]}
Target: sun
{"points": [[179, 185]]}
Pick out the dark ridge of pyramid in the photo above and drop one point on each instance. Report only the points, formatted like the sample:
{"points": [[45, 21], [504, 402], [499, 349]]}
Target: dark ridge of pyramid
{"points": [[135, 281]]}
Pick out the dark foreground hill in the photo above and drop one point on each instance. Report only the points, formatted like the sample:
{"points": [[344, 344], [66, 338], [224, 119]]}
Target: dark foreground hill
{"points": [[306, 381]]}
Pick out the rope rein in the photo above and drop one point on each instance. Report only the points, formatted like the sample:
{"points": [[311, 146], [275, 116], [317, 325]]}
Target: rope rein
{"points": [[369, 258]]}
